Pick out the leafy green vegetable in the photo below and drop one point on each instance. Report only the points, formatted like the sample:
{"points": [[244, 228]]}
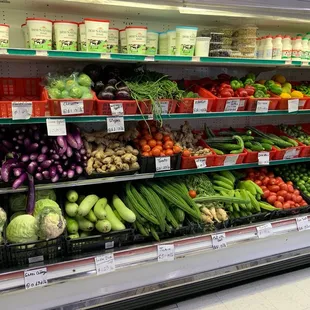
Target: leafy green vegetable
{"points": [[46, 194], [46, 204], [3, 218], [17, 202]]}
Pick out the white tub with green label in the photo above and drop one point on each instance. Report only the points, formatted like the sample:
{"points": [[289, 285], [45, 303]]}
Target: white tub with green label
{"points": [[185, 40], [25, 35], [97, 32], [40, 33], [171, 41], [163, 43], [113, 39], [123, 39], [82, 36], [136, 39], [152, 43], [4, 35], [66, 33]]}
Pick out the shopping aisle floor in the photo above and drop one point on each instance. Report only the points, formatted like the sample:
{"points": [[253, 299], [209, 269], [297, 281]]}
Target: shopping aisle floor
{"points": [[290, 291]]}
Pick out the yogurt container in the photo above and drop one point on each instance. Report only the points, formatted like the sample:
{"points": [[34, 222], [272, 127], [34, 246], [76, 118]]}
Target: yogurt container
{"points": [[66, 34], [151, 43], [185, 40], [97, 32], [163, 43], [171, 42], [113, 39], [40, 33], [202, 46], [82, 36], [123, 39], [4, 35], [136, 39], [26, 35]]}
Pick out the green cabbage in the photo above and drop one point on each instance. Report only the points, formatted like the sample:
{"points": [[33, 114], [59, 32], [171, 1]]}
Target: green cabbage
{"points": [[22, 229], [18, 202], [3, 218], [46, 204], [46, 194]]}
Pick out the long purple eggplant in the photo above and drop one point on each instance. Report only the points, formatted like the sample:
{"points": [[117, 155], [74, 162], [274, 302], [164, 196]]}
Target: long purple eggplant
{"points": [[41, 158], [32, 167], [77, 137], [62, 142], [71, 141], [19, 181], [31, 199], [46, 164], [6, 169], [52, 171]]}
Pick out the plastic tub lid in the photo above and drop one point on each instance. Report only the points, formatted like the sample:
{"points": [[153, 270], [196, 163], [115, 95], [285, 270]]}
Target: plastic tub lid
{"points": [[186, 27], [279, 36], [4, 25], [96, 20], [114, 29], [64, 22], [44, 19]]}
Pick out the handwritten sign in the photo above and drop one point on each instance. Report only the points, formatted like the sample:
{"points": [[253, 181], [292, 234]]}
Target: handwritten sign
{"points": [[200, 106], [232, 105], [72, 107], [200, 163], [302, 223], [105, 263], [219, 241], [56, 127], [115, 124], [293, 105], [163, 163], [21, 110], [230, 160], [262, 106], [35, 278], [165, 252], [264, 231], [116, 109], [263, 158]]}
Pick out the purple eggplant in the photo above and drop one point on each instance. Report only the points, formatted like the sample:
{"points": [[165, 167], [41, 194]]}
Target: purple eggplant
{"points": [[46, 164], [24, 158], [27, 142], [39, 169], [64, 157], [44, 149], [7, 144], [33, 147], [65, 163], [69, 151], [34, 156], [39, 176], [17, 148], [103, 95], [6, 169], [20, 142], [60, 169], [31, 195], [82, 151], [62, 142], [21, 179], [77, 137], [71, 141], [64, 174], [21, 137], [46, 174], [55, 156], [52, 171], [18, 172], [79, 170], [55, 178], [70, 174], [32, 167], [41, 158]]}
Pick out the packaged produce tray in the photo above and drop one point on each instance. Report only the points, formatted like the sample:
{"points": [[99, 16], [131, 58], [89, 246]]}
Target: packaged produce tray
{"points": [[129, 106], [273, 102], [99, 242], [21, 90], [54, 105], [287, 153], [110, 174], [147, 164]]}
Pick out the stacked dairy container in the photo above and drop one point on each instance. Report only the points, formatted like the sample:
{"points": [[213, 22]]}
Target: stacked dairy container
{"points": [[4, 35]]}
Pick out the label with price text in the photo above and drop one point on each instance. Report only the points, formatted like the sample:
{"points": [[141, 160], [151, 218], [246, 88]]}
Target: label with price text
{"points": [[116, 109], [72, 107], [200, 106], [21, 110], [264, 231], [293, 105], [56, 127], [115, 124], [163, 163], [232, 105], [35, 278], [302, 223], [165, 252], [105, 263], [200, 163], [263, 158], [262, 106], [219, 241]]}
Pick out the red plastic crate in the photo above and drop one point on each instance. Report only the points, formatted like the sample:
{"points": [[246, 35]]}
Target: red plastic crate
{"points": [[220, 103], [172, 104], [273, 103], [280, 153], [21, 89], [220, 159], [145, 107], [252, 157], [129, 106], [55, 106], [189, 162], [303, 103]]}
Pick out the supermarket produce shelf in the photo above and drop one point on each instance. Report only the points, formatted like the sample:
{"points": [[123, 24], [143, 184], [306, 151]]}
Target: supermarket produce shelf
{"points": [[281, 247], [84, 182], [98, 118], [29, 54]]}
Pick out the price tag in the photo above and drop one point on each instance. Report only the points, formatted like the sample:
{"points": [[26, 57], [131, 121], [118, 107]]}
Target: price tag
{"points": [[304, 63], [293, 105], [164, 105], [230, 160], [105, 56], [109, 245], [105, 263], [41, 53], [264, 231], [242, 103], [116, 109], [3, 51], [291, 153], [232, 105], [200, 163], [149, 58], [115, 124], [302, 223], [301, 103], [262, 106], [150, 117], [200, 106], [196, 58], [35, 278], [219, 241], [162, 163], [21, 110], [263, 158], [72, 107], [56, 127], [165, 252], [288, 62]]}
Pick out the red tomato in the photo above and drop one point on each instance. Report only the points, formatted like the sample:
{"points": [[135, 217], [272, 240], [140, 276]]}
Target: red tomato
{"points": [[290, 189], [263, 187], [297, 205], [272, 181], [288, 196], [264, 170], [274, 188], [273, 194], [266, 193], [251, 175], [303, 204], [296, 192], [261, 177], [283, 187], [291, 202], [286, 206], [265, 181], [281, 193], [270, 175], [279, 179], [258, 182], [272, 199], [289, 183], [299, 199], [278, 204], [294, 198], [280, 198]]}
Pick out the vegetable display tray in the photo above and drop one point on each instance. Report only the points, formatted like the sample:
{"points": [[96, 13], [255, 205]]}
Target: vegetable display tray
{"points": [[110, 174], [99, 242], [172, 104], [147, 164], [54, 105], [22, 254], [273, 102], [104, 106], [21, 90]]}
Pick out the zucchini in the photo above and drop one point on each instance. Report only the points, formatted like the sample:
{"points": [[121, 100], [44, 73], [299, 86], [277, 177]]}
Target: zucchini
{"points": [[223, 179], [217, 152], [125, 213], [225, 146], [86, 205]]}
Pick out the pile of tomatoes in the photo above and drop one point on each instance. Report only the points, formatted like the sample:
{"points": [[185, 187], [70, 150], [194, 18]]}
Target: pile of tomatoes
{"points": [[278, 193], [151, 142]]}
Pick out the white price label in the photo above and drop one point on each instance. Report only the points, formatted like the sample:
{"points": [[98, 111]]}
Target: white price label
{"points": [[56, 127], [201, 163], [115, 124], [21, 110], [219, 241], [72, 107], [302, 223], [264, 231], [162, 163], [149, 58], [242, 103], [105, 263], [262, 106], [105, 56], [150, 117], [3, 51], [263, 158], [232, 105], [35, 278], [165, 252], [41, 53], [200, 106], [230, 160], [291, 153], [164, 105], [116, 109], [293, 105], [196, 58]]}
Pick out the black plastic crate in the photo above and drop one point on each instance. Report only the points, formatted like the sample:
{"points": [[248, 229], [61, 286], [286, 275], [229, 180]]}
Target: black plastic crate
{"points": [[3, 258], [99, 242], [22, 254], [147, 164], [110, 174]]}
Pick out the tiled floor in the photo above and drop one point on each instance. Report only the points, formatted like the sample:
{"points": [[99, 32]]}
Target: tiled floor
{"points": [[289, 291]]}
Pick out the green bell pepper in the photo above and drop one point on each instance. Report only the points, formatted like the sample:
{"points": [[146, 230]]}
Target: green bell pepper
{"points": [[259, 94], [276, 89], [235, 84], [248, 81], [260, 87], [251, 76], [269, 83]]}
